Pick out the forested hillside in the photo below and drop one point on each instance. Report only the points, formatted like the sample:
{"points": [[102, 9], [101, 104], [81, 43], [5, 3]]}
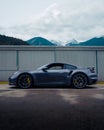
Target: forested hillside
{"points": [[6, 40]]}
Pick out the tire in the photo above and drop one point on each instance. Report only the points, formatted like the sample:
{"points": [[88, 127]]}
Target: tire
{"points": [[25, 81], [79, 80]]}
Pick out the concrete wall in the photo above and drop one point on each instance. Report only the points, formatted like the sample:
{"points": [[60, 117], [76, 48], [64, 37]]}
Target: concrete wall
{"points": [[14, 58]]}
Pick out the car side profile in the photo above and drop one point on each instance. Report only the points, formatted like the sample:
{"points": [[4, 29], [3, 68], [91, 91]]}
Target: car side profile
{"points": [[55, 74]]}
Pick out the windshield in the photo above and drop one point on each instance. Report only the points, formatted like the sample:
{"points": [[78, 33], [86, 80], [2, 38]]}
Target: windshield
{"points": [[40, 68]]}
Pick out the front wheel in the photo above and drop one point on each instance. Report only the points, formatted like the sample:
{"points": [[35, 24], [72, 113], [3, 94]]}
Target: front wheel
{"points": [[24, 81], [79, 80]]}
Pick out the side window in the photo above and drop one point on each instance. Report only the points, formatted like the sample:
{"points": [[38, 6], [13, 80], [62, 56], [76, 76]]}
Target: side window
{"points": [[55, 67], [71, 67]]}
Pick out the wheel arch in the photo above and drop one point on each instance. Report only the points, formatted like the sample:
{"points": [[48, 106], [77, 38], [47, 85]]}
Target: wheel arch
{"points": [[23, 74], [80, 73]]}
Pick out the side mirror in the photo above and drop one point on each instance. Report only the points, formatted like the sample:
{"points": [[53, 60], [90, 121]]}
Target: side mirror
{"points": [[45, 69]]}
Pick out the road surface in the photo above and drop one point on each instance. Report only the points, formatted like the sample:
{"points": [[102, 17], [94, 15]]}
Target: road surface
{"points": [[52, 108]]}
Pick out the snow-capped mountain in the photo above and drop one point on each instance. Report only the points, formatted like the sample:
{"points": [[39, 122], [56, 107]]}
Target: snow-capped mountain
{"points": [[72, 42], [58, 43]]}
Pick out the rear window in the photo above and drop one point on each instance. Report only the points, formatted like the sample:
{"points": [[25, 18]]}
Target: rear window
{"points": [[71, 67]]}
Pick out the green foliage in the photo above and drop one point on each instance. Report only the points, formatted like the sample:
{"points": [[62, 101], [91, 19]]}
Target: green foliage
{"points": [[5, 40]]}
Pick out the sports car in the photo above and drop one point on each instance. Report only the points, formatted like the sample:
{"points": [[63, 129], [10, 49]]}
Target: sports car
{"points": [[55, 74]]}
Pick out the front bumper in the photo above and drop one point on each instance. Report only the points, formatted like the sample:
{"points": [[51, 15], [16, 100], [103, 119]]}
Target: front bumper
{"points": [[12, 81]]}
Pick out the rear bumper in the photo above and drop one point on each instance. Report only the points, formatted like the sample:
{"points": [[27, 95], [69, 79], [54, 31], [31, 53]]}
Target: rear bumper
{"points": [[93, 79]]}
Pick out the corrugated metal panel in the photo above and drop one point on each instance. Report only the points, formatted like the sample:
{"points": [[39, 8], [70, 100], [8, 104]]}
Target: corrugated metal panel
{"points": [[14, 58], [101, 65], [33, 59], [8, 60], [80, 58], [4, 75]]}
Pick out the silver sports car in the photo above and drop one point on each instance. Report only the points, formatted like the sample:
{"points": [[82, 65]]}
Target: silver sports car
{"points": [[55, 74]]}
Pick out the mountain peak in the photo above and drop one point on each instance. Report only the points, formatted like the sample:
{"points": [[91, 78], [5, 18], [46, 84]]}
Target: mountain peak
{"points": [[96, 41], [72, 42], [40, 41]]}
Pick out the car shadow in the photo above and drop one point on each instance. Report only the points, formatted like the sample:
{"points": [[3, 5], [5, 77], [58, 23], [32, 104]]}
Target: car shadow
{"points": [[55, 87]]}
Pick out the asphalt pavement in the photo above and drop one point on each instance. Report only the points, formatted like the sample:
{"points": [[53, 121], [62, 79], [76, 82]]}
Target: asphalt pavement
{"points": [[52, 108]]}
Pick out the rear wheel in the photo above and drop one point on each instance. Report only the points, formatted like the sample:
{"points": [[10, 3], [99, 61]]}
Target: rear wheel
{"points": [[79, 80], [24, 81]]}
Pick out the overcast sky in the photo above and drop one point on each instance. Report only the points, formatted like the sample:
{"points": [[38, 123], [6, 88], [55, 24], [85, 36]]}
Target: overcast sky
{"points": [[52, 19]]}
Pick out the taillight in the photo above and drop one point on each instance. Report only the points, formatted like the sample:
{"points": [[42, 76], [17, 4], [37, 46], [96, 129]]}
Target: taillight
{"points": [[92, 69]]}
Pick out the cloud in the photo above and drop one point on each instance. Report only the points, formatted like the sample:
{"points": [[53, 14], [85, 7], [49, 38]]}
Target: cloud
{"points": [[73, 19]]}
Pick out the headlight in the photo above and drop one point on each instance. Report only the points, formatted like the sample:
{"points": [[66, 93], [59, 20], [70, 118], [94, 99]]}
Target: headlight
{"points": [[15, 74]]}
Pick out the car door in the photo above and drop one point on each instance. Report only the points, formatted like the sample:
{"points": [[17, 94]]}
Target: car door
{"points": [[42, 78], [57, 77]]}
